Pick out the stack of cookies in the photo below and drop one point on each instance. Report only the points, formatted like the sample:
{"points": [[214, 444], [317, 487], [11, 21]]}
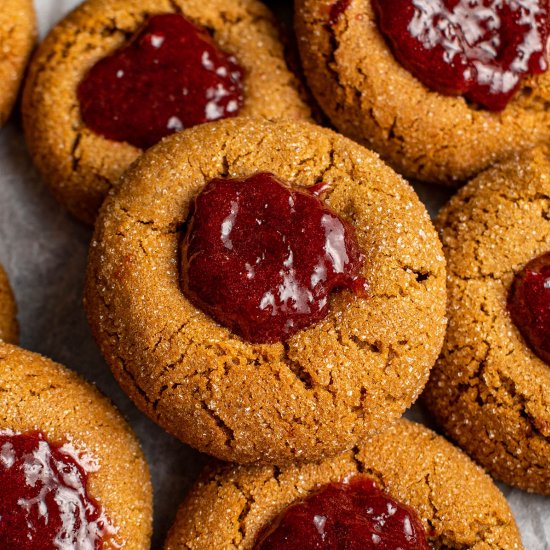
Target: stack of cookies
{"points": [[273, 292]]}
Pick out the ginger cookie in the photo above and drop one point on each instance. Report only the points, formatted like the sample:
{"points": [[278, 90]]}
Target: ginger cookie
{"points": [[9, 329], [400, 77], [71, 469], [17, 36], [406, 488], [115, 76], [490, 389], [266, 292]]}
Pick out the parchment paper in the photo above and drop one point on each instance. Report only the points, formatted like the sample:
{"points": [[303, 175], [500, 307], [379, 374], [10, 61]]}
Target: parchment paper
{"points": [[44, 251]]}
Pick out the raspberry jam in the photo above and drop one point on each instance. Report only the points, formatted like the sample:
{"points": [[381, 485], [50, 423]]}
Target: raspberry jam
{"points": [[170, 76], [480, 49], [529, 304], [44, 503], [355, 515], [262, 258]]}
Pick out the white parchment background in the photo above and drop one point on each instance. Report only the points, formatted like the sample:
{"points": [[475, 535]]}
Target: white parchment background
{"points": [[44, 252]]}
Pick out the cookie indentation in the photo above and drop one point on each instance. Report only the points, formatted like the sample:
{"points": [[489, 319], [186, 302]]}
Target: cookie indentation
{"points": [[529, 304], [353, 514], [45, 499], [481, 50], [262, 258], [171, 76]]}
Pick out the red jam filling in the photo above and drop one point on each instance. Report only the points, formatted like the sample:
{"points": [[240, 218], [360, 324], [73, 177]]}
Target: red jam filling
{"points": [[529, 304], [480, 49], [354, 515], [170, 76], [44, 501], [262, 258]]}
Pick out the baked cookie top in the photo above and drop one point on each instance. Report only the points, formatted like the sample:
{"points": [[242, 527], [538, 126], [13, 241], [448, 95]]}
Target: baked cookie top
{"points": [[370, 97], [9, 329], [81, 166], [17, 36], [38, 395], [318, 392], [456, 501], [489, 390]]}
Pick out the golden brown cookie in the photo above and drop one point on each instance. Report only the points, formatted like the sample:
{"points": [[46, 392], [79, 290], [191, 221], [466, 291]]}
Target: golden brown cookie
{"points": [[80, 166], [489, 391], [9, 330], [370, 97], [456, 501], [325, 388], [37, 394], [17, 36]]}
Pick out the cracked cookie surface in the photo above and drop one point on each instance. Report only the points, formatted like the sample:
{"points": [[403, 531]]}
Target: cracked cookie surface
{"points": [[326, 387], [456, 501], [38, 394], [17, 36], [488, 390], [80, 166], [371, 98], [9, 329]]}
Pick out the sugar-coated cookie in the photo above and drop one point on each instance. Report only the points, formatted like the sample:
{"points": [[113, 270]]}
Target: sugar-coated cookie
{"points": [[309, 395], [17, 36], [455, 502], [490, 389], [373, 98], [114, 67], [71, 469]]}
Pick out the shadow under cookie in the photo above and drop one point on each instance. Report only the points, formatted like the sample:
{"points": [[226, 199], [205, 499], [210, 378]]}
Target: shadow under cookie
{"points": [[9, 329]]}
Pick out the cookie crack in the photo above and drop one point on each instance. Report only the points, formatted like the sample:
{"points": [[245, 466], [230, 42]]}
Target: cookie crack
{"points": [[172, 366], [176, 8], [172, 229], [297, 368], [220, 423], [330, 58], [131, 376], [75, 159], [249, 501], [537, 425]]}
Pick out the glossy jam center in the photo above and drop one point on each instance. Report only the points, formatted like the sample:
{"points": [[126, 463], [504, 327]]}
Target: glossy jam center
{"points": [[480, 49], [170, 76], [262, 258], [529, 304], [44, 503], [352, 516]]}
